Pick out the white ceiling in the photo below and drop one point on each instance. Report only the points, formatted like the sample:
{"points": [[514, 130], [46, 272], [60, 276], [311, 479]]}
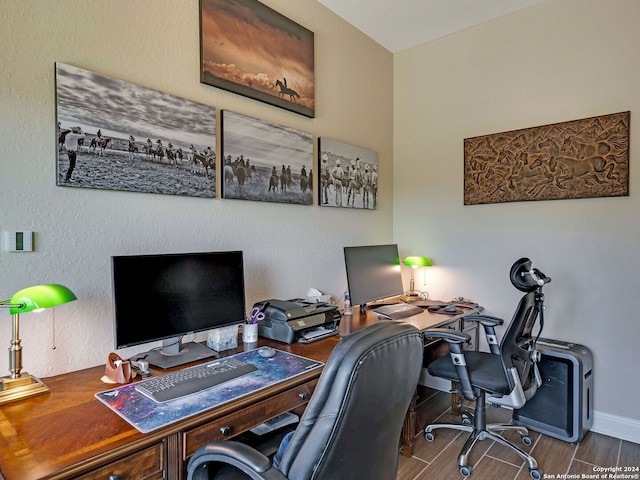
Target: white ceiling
{"points": [[401, 24]]}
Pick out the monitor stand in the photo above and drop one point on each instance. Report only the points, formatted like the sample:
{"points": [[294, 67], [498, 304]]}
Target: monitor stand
{"points": [[174, 353]]}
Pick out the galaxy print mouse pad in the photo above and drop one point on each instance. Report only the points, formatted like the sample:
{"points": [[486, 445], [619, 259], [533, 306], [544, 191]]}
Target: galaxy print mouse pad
{"points": [[146, 415]]}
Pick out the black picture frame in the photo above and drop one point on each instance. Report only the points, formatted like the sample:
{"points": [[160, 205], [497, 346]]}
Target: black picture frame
{"points": [[250, 49]]}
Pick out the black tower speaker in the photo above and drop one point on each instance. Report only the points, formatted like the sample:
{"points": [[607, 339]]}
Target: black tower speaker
{"points": [[563, 405]]}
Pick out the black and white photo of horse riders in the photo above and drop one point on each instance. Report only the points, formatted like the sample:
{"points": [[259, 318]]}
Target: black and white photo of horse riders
{"points": [[265, 162], [348, 175], [115, 135]]}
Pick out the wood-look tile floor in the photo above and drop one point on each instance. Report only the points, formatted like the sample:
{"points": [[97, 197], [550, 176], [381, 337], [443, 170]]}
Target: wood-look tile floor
{"points": [[556, 459]]}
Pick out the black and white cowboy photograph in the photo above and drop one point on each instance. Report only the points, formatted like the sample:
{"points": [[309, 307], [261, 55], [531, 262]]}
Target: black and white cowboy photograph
{"points": [[348, 175], [115, 135], [265, 162]]}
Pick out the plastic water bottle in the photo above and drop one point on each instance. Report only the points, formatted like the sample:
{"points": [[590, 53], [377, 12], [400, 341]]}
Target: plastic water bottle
{"points": [[348, 309]]}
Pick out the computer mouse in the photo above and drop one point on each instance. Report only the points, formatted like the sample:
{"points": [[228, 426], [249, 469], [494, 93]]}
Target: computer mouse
{"points": [[450, 309], [266, 352]]}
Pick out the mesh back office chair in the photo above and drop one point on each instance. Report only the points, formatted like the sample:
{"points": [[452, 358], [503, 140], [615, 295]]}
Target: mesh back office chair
{"points": [[351, 426], [507, 376]]}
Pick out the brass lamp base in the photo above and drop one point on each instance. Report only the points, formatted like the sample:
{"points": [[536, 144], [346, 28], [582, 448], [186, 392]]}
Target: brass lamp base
{"points": [[414, 296], [24, 386], [410, 297]]}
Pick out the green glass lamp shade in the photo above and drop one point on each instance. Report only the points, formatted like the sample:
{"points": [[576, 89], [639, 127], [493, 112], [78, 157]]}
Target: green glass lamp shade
{"points": [[40, 296], [418, 262]]}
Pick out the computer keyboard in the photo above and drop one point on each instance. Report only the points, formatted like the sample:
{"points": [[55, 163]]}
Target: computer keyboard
{"points": [[193, 379]]}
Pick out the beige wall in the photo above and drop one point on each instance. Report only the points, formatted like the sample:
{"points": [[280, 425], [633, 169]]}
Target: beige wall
{"points": [[560, 60], [155, 43]]}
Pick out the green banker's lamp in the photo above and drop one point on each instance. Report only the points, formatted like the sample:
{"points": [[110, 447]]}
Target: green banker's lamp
{"points": [[20, 384], [414, 262]]}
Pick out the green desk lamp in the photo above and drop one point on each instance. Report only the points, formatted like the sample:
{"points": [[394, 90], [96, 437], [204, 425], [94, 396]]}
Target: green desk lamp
{"points": [[414, 262], [20, 384]]}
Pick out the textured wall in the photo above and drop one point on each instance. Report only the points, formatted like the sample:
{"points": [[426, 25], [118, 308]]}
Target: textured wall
{"points": [[557, 61], [155, 43]]}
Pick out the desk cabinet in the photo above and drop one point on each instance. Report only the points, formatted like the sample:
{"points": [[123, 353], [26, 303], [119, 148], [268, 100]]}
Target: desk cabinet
{"points": [[148, 464]]}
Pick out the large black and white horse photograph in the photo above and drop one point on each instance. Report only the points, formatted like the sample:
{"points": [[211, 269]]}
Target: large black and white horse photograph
{"points": [[264, 161], [115, 135], [348, 175]]}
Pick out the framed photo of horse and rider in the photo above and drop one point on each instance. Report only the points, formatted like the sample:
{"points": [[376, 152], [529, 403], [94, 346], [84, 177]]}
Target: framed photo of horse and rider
{"points": [[249, 49]]}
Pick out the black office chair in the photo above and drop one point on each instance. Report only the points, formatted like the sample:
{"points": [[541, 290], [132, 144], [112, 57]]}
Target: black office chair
{"points": [[352, 424], [506, 376]]}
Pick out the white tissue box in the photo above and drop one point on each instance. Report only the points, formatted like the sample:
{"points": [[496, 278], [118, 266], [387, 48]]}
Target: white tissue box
{"points": [[319, 299]]}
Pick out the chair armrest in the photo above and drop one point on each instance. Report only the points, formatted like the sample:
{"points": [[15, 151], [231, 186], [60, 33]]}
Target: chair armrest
{"points": [[488, 323], [455, 339], [447, 334], [237, 454], [484, 320]]}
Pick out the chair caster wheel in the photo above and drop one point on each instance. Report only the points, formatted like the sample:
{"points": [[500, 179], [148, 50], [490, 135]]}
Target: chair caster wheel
{"points": [[466, 470], [535, 473], [429, 437], [526, 439], [466, 420]]}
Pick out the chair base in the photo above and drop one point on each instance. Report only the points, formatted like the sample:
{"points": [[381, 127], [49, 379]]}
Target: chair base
{"points": [[479, 431]]}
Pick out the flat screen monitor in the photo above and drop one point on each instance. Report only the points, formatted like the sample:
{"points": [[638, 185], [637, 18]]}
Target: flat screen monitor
{"points": [[373, 273], [164, 297]]}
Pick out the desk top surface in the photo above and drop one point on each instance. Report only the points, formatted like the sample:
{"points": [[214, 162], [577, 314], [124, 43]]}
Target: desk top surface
{"points": [[42, 435], [421, 321]]}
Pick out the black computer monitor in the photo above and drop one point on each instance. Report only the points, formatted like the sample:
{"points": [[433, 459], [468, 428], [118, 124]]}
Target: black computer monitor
{"points": [[164, 297], [373, 273]]}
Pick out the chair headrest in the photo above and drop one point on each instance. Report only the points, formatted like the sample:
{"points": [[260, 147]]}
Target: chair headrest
{"points": [[523, 280]]}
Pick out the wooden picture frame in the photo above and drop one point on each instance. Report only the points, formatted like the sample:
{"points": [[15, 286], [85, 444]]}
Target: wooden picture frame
{"points": [[249, 49], [131, 138], [264, 161], [348, 175], [583, 158]]}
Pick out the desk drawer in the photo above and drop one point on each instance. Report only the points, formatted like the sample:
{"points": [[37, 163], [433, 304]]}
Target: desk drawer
{"points": [[148, 464], [244, 419]]}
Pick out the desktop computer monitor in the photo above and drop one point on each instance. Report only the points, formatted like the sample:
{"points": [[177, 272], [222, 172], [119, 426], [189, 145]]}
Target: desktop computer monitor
{"points": [[373, 273], [164, 297]]}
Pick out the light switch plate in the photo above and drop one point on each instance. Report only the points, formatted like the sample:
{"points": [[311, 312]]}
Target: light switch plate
{"points": [[21, 241]]}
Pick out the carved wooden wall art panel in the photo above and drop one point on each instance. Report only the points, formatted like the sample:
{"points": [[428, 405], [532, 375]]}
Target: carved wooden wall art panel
{"points": [[578, 159]]}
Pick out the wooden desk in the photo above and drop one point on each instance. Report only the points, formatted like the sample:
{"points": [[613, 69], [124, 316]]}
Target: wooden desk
{"points": [[70, 434]]}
